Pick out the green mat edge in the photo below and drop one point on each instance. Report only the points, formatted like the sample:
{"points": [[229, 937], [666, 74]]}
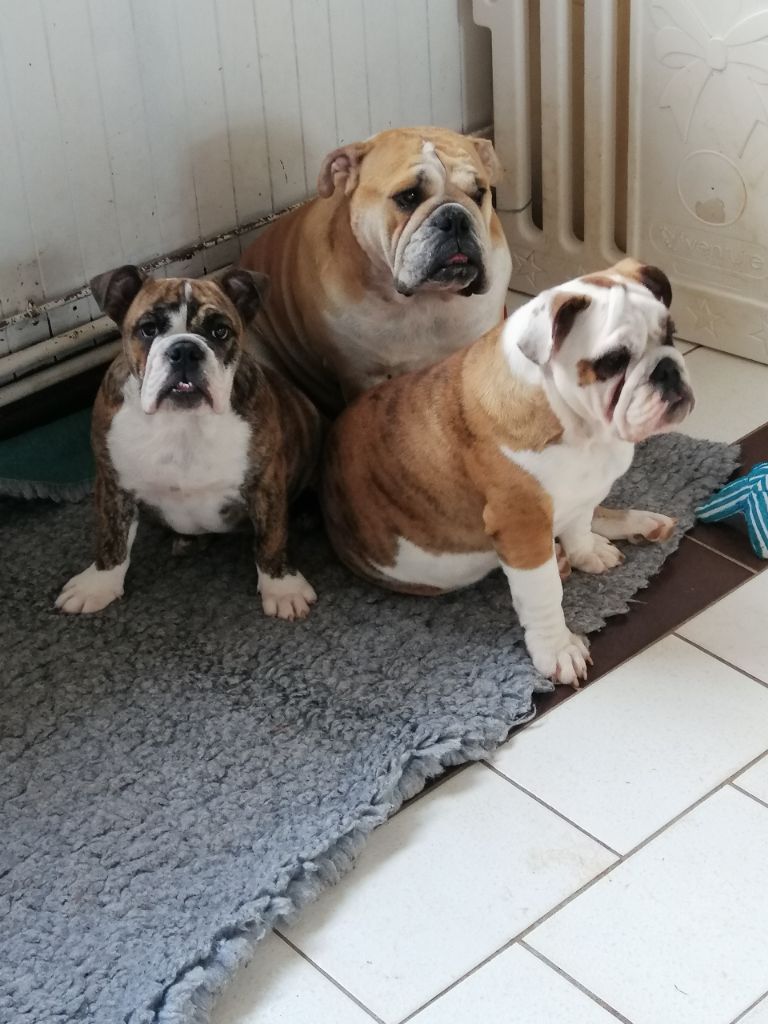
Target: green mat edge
{"points": [[45, 490]]}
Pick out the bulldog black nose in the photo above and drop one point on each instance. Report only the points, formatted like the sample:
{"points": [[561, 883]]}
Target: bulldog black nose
{"points": [[185, 355], [453, 220], [666, 376]]}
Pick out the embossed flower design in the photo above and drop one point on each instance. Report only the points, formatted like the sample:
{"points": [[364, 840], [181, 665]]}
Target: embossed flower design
{"points": [[736, 61]]}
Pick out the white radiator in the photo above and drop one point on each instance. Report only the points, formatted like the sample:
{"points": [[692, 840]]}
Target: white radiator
{"points": [[639, 127]]}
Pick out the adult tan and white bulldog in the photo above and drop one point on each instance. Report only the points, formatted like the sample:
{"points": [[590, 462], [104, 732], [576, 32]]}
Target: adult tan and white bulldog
{"points": [[398, 262], [435, 478], [190, 427]]}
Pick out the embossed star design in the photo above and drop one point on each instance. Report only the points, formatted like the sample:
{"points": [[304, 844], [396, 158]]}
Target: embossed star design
{"points": [[526, 266], [705, 317], [761, 334]]}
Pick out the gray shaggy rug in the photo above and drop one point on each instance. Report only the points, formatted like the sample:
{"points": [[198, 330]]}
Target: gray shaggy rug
{"points": [[179, 773]]}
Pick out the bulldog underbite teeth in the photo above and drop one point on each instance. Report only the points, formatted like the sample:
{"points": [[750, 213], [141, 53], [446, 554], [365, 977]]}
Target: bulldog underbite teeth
{"points": [[188, 427], [435, 478]]}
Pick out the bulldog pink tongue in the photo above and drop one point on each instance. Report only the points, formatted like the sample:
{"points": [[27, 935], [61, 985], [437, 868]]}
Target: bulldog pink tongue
{"points": [[184, 385], [458, 257]]}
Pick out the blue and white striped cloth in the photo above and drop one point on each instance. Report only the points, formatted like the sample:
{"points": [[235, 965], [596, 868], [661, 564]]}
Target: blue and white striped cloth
{"points": [[747, 496]]}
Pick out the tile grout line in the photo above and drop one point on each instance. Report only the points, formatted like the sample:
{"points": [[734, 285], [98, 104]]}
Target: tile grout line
{"points": [[728, 664], [496, 953], [521, 937], [454, 984], [576, 984], [507, 945], [721, 554], [746, 792], [554, 810], [328, 977], [750, 1008], [623, 858]]}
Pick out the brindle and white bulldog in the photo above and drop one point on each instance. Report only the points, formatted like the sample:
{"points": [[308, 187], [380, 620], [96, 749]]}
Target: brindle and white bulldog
{"points": [[400, 261], [188, 425], [435, 478]]}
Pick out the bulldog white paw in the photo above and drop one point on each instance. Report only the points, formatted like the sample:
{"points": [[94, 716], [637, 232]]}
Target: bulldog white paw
{"points": [[633, 525], [596, 555], [91, 590], [563, 661], [652, 526], [286, 597]]}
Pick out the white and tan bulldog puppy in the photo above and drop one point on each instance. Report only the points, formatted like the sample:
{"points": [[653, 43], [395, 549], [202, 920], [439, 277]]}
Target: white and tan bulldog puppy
{"points": [[189, 426], [398, 262], [434, 479]]}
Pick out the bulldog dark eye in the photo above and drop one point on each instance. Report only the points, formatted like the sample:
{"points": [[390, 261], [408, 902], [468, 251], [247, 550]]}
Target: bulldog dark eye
{"points": [[221, 333], [479, 195], [408, 199], [611, 364], [148, 330]]}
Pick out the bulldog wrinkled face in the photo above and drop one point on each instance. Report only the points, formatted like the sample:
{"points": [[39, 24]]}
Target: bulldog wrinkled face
{"points": [[611, 357], [420, 204], [181, 336]]}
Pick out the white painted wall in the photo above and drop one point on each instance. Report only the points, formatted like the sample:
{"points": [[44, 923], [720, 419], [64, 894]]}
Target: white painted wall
{"points": [[131, 128]]}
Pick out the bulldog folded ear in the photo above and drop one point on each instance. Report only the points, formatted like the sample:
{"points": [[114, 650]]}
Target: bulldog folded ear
{"points": [[247, 290], [563, 312], [488, 158], [657, 282], [654, 279], [115, 290], [549, 325], [341, 167]]}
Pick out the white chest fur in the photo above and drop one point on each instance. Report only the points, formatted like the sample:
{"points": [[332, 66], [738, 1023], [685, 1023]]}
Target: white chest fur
{"points": [[381, 339], [577, 476], [187, 465]]}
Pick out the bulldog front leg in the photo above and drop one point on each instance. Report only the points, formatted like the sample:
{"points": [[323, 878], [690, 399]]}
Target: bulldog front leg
{"points": [[285, 593], [116, 523], [537, 595], [632, 525], [527, 556], [587, 550]]}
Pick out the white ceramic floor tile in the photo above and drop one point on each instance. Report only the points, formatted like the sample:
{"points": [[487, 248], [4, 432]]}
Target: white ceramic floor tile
{"points": [[515, 987], [280, 987], [440, 887], [731, 395], [641, 744], [755, 780], [757, 1016], [678, 933], [735, 627]]}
